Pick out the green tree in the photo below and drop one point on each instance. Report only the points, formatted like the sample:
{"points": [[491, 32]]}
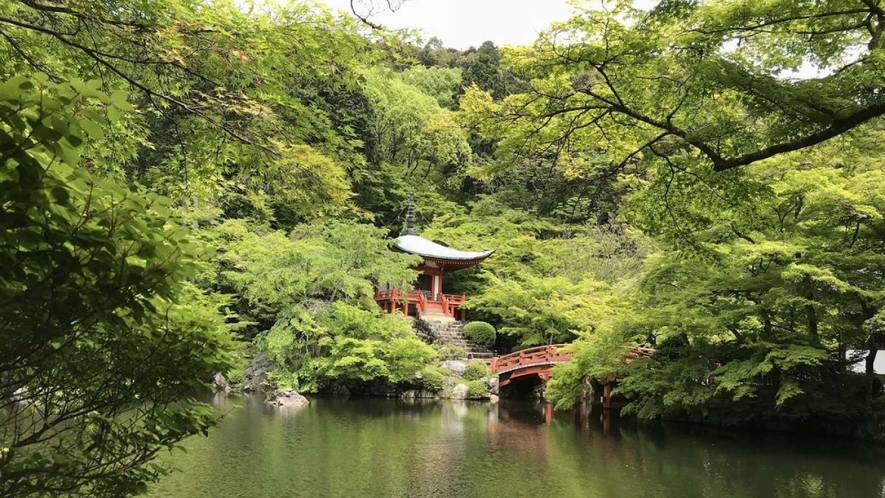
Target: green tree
{"points": [[231, 98], [482, 68], [418, 147], [754, 313], [103, 335], [715, 84], [438, 82]]}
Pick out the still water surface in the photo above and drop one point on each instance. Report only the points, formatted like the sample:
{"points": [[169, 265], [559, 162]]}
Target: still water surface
{"points": [[380, 448]]}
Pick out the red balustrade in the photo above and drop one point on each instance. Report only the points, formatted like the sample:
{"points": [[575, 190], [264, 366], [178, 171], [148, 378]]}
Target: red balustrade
{"points": [[529, 357], [549, 355], [389, 300]]}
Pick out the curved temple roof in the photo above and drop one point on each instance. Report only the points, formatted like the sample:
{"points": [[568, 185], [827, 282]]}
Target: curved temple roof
{"points": [[415, 244]]}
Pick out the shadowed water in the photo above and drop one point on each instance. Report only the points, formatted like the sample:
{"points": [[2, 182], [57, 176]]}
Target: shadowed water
{"points": [[381, 448]]}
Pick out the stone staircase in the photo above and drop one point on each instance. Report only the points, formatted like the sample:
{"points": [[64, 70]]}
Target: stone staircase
{"points": [[447, 330]]}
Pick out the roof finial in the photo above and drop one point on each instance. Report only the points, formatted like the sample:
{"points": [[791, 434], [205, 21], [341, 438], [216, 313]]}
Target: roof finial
{"points": [[410, 216]]}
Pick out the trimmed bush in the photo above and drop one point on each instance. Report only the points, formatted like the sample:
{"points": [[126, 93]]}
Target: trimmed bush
{"points": [[449, 352], [476, 370], [476, 389], [432, 379], [481, 333]]}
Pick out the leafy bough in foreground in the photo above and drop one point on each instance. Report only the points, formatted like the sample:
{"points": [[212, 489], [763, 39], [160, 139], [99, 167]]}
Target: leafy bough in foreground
{"points": [[102, 338]]}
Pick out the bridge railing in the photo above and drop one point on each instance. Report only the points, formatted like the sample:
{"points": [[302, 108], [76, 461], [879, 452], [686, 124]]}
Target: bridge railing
{"points": [[638, 352], [550, 354], [412, 296], [530, 356]]}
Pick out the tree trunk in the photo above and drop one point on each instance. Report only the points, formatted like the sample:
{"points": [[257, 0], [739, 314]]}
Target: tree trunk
{"points": [[811, 314], [872, 351], [870, 369]]}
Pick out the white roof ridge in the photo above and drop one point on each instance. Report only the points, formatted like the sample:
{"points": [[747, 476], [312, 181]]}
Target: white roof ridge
{"points": [[415, 244]]}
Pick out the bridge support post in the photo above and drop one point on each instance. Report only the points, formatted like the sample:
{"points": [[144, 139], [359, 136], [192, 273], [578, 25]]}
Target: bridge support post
{"points": [[548, 412], [607, 396]]}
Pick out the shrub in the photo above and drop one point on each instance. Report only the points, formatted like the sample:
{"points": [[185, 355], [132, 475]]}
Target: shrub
{"points": [[481, 333], [432, 379], [475, 370], [236, 377], [476, 389], [450, 352]]}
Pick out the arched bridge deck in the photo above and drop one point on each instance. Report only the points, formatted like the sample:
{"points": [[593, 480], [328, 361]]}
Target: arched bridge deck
{"points": [[529, 362], [539, 361]]}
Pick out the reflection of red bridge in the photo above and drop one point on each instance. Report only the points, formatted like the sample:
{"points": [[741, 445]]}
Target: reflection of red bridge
{"points": [[539, 361]]}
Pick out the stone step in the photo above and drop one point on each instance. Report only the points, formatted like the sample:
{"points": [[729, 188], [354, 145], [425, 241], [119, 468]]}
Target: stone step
{"points": [[449, 331]]}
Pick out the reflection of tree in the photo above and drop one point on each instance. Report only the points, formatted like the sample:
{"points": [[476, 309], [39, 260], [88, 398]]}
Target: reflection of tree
{"points": [[631, 461]]}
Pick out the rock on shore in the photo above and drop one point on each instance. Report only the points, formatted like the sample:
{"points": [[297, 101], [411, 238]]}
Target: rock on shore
{"points": [[288, 398]]}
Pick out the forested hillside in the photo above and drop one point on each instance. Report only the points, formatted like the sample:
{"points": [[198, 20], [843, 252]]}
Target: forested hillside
{"points": [[207, 183]]}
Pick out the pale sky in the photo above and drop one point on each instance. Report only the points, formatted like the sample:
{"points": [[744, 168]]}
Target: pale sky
{"points": [[465, 23]]}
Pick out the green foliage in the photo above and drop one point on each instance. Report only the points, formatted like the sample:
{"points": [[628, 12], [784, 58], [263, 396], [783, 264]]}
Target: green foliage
{"points": [[103, 336], [251, 120], [754, 311], [539, 286], [450, 352], [667, 81], [566, 386], [475, 370], [655, 184], [309, 295], [481, 333], [418, 146], [476, 389], [440, 83], [432, 379]]}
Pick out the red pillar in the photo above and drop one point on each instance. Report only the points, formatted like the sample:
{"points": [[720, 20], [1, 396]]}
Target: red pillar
{"points": [[607, 396], [548, 412]]}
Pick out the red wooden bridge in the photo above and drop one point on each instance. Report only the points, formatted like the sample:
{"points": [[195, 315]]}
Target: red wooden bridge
{"points": [[539, 361], [529, 362]]}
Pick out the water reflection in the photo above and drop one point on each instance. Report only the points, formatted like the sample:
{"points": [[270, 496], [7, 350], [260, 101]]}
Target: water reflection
{"points": [[424, 449]]}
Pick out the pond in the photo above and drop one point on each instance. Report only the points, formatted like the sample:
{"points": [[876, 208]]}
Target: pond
{"points": [[383, 448]]}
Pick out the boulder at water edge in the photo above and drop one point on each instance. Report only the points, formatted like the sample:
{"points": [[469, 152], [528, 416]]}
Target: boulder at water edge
{"points": [[460, 391], [255, 374], [285, 399], [491, 384], [418, 394], [456, 367]]}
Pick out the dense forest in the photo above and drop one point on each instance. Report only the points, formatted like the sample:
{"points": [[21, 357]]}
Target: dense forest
{"points": [[186, 185]]}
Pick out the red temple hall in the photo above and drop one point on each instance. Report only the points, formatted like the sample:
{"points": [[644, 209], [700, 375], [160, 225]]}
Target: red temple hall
{"points": [[428, 299]]}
